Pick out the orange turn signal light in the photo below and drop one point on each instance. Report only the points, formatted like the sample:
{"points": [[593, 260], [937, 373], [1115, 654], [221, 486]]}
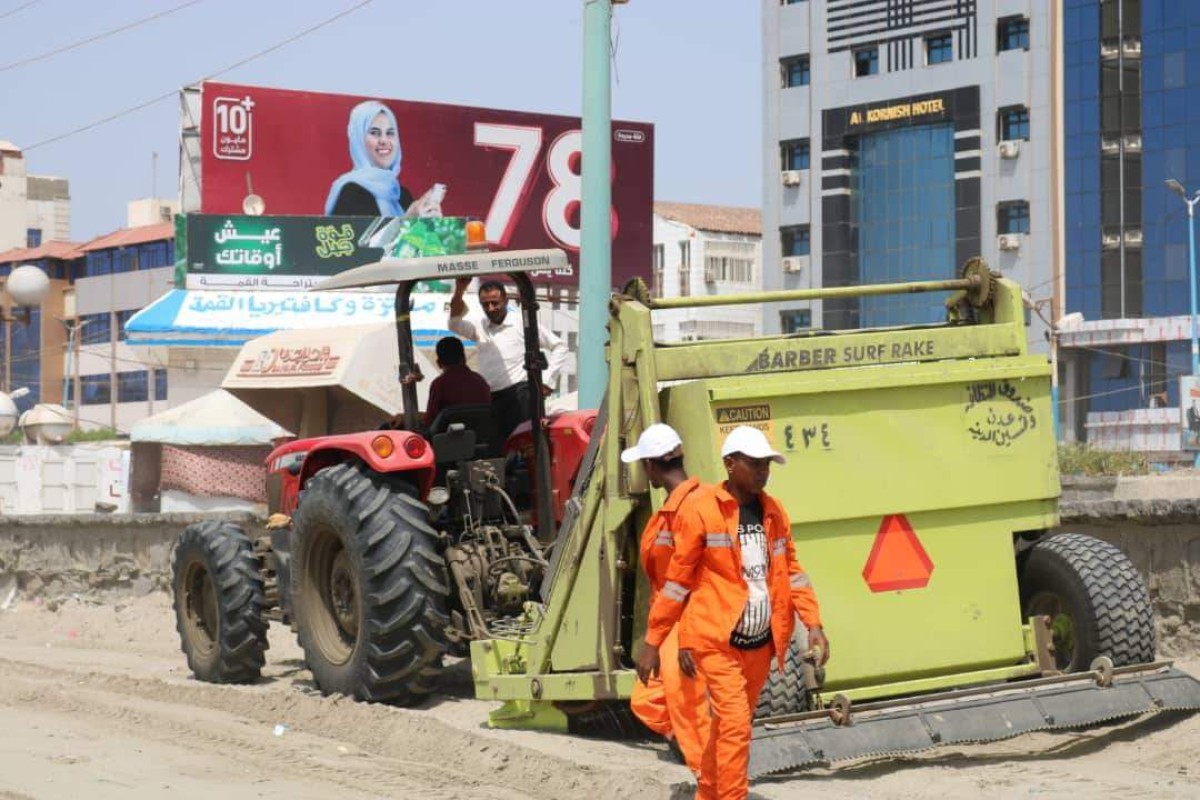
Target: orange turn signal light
{"points": [[383, 446], [476, 234]]}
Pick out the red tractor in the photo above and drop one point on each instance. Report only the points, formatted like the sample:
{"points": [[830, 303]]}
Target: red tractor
{"points": [[388, 549]]}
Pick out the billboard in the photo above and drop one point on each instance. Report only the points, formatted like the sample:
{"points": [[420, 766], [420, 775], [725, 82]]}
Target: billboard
{"points": [[236, 251], [306, 153]]}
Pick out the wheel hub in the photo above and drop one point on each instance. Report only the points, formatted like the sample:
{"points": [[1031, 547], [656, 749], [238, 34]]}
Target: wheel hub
{"points": [[202, 613], [1062, 626], [343, 599]]}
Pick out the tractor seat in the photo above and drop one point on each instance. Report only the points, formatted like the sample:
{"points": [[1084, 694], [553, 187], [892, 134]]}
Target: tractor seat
{"points": [[477, 417]]}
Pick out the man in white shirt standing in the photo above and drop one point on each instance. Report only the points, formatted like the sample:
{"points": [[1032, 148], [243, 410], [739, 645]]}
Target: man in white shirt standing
{"points": [[501, 346]]}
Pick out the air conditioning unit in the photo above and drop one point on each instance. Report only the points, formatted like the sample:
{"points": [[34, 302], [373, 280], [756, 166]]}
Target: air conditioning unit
{"points": [[1132, 48], [1009, 241], [1010, 148], [1110, 146], [1133, 143], [794, 264], [1133, 238], [791, 177], [1110, 241]]}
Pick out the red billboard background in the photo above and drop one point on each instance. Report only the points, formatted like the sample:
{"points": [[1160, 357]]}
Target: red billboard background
{"points": [[518, 171]]}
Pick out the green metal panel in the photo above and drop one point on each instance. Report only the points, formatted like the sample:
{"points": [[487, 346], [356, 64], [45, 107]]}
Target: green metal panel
{"points": [[790, 354], [878, 441], [963, 449], [966, 618]]}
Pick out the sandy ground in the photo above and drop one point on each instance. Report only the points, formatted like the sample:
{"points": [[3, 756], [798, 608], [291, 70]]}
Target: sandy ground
{"points": [[96, 702]]}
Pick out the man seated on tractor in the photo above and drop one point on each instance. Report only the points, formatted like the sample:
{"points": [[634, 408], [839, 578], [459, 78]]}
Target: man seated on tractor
{"points": [[457, 385]]}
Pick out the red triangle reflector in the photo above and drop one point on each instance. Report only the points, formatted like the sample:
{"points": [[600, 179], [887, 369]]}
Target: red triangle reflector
{"points": [[897, 560]]}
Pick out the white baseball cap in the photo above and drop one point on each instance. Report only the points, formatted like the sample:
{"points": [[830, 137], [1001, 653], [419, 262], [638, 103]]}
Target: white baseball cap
{"points": [[750, 442], [657, 441]]}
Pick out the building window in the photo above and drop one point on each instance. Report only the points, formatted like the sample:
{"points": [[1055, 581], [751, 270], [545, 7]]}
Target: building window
{"points": [[95, 328], [33, 237], [685, 269], [658, 260], [729, 261], [1013, 217], [1014, 123], [133, 387], [97, 263], [96, 390], [795, 240], [1012, 34], [939, 49], [795, 71], [795, 154], [866, 62], [792, 2], [123, 318], [794, 320]]}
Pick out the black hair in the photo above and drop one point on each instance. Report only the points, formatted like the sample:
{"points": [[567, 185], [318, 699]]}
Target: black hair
{"points": [[493, 286], [450, 351], [668, 464]]}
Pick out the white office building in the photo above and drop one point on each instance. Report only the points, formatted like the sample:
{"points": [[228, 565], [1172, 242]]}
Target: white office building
{"points": [[900, 140]]}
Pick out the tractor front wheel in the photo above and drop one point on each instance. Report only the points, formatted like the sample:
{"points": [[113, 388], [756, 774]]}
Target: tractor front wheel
{"points": [[220, 603], [1095, 600], [370, 586]]}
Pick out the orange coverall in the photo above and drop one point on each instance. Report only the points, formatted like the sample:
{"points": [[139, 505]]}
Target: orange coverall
{"points": [[672, 702], [705, 594]]}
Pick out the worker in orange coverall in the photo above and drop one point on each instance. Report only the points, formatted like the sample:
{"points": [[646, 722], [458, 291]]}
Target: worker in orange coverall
{"points": [[734, 587], [669, 703]]}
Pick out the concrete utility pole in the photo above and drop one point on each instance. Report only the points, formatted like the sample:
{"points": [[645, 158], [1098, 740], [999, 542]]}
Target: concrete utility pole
{"points": [[595, 256]]}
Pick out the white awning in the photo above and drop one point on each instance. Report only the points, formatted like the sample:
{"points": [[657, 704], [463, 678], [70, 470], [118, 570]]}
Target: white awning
{"points": [[183, 318]]}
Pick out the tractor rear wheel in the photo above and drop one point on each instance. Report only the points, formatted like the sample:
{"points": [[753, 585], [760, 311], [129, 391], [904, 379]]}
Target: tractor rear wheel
{"points": [[219, 603], [1097, 603], [784, 692], [370, 586]]}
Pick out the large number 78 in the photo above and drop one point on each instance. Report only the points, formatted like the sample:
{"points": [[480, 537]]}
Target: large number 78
{"points": [[562, 164]]}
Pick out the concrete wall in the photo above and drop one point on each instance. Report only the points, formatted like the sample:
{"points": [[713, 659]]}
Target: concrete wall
{"points": [[1162, 539], [56, 556]]}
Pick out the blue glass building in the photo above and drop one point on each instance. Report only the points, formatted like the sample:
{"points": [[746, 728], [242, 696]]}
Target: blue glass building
{"points": [[1132, 121]]}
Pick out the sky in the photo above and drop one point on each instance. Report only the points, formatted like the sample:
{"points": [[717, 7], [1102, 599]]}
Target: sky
{"points": [[690, 67]]}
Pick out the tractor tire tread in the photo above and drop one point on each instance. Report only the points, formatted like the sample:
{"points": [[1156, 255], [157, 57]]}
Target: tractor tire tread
{"points": [[784, 692], [1119, 600], [228, 556], [404, 601]]}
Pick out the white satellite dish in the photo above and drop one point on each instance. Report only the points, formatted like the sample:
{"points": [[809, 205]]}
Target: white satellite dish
{"points": [[252, 204]]}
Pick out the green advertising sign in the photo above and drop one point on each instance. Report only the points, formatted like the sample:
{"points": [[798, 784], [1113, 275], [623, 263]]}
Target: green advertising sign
{"points": [[224, 252]]}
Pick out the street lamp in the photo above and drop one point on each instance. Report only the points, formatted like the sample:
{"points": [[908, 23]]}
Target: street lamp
{"points": [[1177, 187], [27, 286]]}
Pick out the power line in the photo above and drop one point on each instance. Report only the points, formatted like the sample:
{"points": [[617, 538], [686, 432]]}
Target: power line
{"points": [[97, 37], [173, 92], [19, 8]]}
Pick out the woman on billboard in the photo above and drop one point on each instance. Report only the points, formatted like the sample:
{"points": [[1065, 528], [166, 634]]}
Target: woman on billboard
{"points": [[373, 186]]}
